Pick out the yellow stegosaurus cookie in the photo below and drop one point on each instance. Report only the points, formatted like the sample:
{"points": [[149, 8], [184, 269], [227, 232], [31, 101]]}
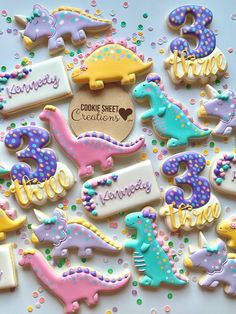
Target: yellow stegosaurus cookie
{"points": [[111, 62]]}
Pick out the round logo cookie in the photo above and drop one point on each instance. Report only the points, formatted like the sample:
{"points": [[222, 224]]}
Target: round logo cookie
{"points": [[109, 110]]}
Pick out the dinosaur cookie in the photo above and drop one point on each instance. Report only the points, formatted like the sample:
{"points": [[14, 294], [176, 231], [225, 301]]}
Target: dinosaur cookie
{"points": [[75, 284], [34, 85], [8, 276], [66, 234], [43, 26], [227, 229], [89, 148], [218, 266], [223, 174], [222, 106], [8, 220], [122, 190], [202, 64], [170, 118], [199, 209], [150, 257], [111, 62], [49, 181]]}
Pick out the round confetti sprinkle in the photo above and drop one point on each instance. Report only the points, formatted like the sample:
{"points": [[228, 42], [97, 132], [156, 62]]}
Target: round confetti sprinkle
{"points": [[108, 312], [8, 19], [167, 308], [125, 5], [115, 309], [30, 309], [110, 271], [134, 283], [170, 295], [123, 24], [145, 15], [139, 301], [153, 311]]}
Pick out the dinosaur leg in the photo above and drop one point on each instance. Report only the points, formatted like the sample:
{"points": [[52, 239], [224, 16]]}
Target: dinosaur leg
{"points": [[91, 300], [207, 281], [230, 289], [214, 284], [71, 308], [2, 236], [107, 163], [85, 252], [128, 79], [56, 44], [78, 37], [96, 84], [85, 171], [174, 142], [145, 281]]}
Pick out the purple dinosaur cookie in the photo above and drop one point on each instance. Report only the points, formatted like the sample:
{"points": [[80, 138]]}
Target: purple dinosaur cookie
{"points": [[217, 264], [64, 21], [74, 233], [221, 106]]}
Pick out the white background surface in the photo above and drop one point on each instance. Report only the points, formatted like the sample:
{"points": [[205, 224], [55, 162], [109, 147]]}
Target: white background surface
{"points": [[190, 299]]}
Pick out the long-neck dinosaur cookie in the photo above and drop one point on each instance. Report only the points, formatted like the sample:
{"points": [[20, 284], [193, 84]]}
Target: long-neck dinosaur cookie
{"points": [[66, 234], [111, 62], [89, 148], [205, 62], [201, 207], [54, 27], [227, 229], [222, 106], [218, 266], [170, 118], [8, 220], [75, 284], [151, 259]]}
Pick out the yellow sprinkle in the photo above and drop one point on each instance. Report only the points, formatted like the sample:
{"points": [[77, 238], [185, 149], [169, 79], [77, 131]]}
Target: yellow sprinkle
{"points": [[66, 51], [155, 150], [208, 162], [78, 201], [202, 94], [235, 151], [134, 39], [205, 152], [143, 156], [140, 33], [108, 312], [30, 309], [98, 12], [216, 149], [7, 193], [124, 231], [161, 51]]}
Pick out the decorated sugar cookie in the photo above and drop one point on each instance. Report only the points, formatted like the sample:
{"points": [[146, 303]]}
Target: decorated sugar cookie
{"points": [[227, 229], [150, 257], [221, 106], [8, 276], [223, 174], [125, 189], [4, 170], [205, 62], [198, 210], [73, 285], [218, 266], [89, 148], [53, 27], [8, 220], [170, 118], [66, 234], [111, 62], [49, 181], [36, 84]]}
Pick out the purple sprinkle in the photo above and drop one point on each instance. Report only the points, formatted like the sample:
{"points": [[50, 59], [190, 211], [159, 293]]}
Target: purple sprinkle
{"points": [[65, 274], [100, 277], [86, 270], [79, 270]]}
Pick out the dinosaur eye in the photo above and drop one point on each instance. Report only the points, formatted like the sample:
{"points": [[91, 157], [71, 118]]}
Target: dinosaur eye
{"points": [[35, 22]]}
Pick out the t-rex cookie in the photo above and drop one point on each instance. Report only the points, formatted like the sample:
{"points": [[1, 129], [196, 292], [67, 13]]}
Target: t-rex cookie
{"points": [[54, 27], [8, 220], [89, 148], [170, 118], [150, 257], [223, 174], [75, 284], [8, 276], [111, 62], [222, 106], [218, 266], [227, 229], [66, 234], [205, 62], [45, 82], [121, 190], [198, 210], [50, 179]]}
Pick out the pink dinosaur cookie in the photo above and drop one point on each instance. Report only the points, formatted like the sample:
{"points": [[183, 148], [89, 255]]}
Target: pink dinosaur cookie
{"points": [[34, 85], [89, 148], [75, 284], [54, 27]]}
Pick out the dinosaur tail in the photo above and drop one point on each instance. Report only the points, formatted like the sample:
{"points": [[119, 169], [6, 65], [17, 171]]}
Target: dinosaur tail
{"points": [[203, 132], [128, 148], [178, 280], [114, 283]]}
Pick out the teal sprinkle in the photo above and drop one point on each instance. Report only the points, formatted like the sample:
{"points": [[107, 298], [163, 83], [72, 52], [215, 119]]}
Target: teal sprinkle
{"points": [[94, 213], [88, 185], [91, 192], [218, 180], [109, 182]]}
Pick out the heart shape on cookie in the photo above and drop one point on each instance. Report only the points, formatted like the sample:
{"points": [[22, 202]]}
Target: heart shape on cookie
{"points": [[124, 113]]}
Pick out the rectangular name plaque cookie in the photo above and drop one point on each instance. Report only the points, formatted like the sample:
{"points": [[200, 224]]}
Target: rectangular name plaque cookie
{"points": [[120, 190], [39, 83], [8, 276]]}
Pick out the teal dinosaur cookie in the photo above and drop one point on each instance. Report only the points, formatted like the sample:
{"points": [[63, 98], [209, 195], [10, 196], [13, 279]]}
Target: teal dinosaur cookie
{"points": [[150, 256]]}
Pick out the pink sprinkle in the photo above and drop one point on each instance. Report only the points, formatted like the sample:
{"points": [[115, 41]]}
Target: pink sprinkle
{"points": [[167, 308], [41, 300]]}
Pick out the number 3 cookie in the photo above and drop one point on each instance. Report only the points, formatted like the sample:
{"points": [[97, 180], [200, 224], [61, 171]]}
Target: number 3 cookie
{"points": [[206, 61], [201, 207]]}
